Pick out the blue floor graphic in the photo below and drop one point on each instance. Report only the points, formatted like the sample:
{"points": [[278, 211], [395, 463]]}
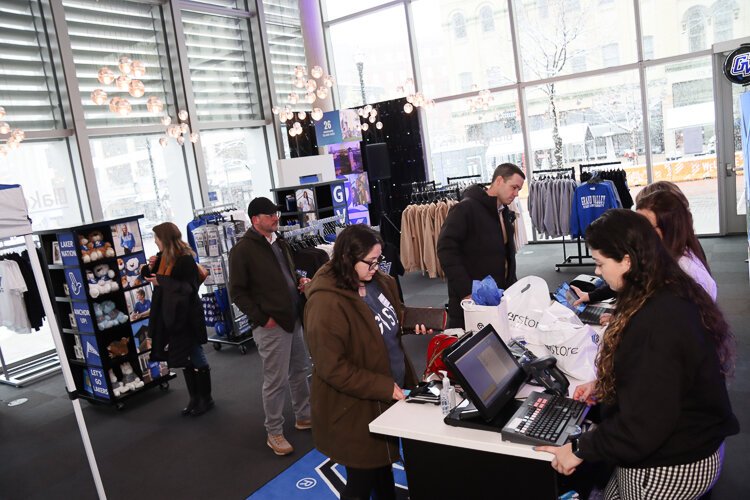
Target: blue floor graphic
{"points": [[316, 477]]}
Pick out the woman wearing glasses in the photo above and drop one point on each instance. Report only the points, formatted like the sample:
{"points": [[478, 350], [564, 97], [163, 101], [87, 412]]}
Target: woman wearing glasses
{"points": [[359, 366]]}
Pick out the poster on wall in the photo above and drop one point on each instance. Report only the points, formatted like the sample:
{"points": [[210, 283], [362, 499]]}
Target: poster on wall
{"points": [[127, 238], [328, 129], [357, 198], [347, 158], [350, 130]]}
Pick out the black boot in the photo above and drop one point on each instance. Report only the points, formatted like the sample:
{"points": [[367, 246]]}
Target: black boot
{"points": [[205, 401], [192, 385]]}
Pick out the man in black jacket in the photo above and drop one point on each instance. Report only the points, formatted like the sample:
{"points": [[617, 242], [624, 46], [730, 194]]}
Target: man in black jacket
{"points": [[263, 284], [477, 238]]}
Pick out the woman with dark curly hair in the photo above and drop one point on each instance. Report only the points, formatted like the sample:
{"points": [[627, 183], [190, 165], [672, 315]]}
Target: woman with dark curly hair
{"points": [[661, 372], [352, 330]]}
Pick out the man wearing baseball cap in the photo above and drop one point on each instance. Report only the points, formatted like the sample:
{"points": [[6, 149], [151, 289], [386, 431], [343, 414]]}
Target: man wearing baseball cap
{"points": [[263, 284]]}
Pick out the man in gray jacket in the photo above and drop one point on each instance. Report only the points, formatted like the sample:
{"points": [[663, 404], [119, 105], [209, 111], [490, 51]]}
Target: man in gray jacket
{"points": [[263, 284]]}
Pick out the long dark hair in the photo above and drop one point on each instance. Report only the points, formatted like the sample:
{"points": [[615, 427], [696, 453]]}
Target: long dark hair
{"points": [[676, 224], [172, 246], [352, 245], [619, 233]]}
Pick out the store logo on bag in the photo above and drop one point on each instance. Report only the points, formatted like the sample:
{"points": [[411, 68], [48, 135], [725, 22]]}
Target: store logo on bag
{"points": [[522, 320], [561, 350], [737, 65]]}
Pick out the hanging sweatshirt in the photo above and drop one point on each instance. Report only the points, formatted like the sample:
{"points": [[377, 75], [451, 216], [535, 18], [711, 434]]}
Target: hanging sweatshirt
{"points": [[589, 202]]}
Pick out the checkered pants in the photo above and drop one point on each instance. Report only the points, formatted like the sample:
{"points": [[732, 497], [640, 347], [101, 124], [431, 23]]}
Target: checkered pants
{"points": [[676, 482]]}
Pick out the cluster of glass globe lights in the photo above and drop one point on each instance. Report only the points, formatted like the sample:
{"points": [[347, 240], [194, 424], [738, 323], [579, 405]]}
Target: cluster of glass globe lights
{"points": [[129, 80], [315, 88], [413, 99], [15, 135]]}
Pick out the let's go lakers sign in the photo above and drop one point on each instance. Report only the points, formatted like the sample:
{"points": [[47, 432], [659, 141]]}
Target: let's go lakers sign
{"points": [[737, 65]]}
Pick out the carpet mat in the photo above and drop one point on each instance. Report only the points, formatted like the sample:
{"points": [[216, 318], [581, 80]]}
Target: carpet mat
{"points": [[317, 477]]}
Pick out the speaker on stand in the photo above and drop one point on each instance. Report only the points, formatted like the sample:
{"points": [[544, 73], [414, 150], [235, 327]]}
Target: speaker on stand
{"points": [[378, 165]]}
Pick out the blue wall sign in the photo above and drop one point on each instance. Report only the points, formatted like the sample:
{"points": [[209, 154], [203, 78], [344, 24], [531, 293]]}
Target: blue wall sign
{"points": [[98, 383], [83, 317], [90, 350], [328, 129]]}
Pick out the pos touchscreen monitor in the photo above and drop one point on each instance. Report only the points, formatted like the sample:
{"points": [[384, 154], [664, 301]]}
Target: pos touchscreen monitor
{"points": [[487, 371]]}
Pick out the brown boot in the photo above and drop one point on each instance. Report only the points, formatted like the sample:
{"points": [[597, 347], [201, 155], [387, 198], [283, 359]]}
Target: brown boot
{"points": [[279, 444]]}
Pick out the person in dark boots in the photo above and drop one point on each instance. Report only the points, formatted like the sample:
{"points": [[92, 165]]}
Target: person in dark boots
{"points": [[177, 326]]}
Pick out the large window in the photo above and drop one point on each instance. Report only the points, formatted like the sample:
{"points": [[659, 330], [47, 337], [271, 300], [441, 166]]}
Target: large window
{"points": [[236, 167], [683, 136], [588, 120], [44, 172], [102, 31], [27, 84], [136, 175], [339, 8], [680, 26], [220, 57], [370, 65], [286, 46], [485, 55], [553, 34]]}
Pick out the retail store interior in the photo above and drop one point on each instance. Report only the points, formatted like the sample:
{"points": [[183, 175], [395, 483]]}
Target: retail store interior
{"points": [[118, 115]]}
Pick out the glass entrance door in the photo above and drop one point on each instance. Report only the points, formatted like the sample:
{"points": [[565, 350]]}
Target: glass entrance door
{"points": [[731, 170]]}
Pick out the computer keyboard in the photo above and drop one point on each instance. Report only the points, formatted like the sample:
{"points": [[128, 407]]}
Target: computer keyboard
{"points": [[591, 314], [545, 419]]}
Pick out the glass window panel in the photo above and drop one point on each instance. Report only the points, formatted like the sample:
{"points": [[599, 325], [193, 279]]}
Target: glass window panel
{"points": [[681, 124], [220, 57], [370, 67], [232, 4], [44, 171], [101, 31], [339, 8], [135, 175], [739, 159], [482, 56], [554, 33], [681, 26], [285, 44], [466, 142], [27, 86], [598, 119], [236, 165]]}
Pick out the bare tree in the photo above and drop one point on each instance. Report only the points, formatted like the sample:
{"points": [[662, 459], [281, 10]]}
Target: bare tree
{"points": [[620, 107], [546, 47]]}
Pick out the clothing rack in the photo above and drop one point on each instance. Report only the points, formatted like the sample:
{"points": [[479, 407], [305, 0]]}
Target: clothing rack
{"points": [[214, 209], [450, 180], [314, 226], [586, 166], [576, 260], [420, 186]]}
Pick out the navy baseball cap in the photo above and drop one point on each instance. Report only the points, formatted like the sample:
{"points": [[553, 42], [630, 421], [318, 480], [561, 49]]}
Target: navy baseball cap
{"points": [[260, 206]]}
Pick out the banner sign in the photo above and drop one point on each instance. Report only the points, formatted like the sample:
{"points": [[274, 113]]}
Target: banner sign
{"points": [[83, 317], [90, 350], [76, 285], [737, 65], [68, 249], [98, 383], [328, 129]]}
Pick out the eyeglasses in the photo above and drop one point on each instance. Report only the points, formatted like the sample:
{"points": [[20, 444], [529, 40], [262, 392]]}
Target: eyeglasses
{"points": [[373, 265], [275, 214]]}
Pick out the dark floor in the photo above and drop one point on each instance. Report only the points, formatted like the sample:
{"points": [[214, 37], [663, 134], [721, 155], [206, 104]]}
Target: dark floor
{"points": [[148, 451]]}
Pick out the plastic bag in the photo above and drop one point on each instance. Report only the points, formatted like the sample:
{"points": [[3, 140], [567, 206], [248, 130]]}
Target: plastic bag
{"points": [[477, 317], [486, 292]]}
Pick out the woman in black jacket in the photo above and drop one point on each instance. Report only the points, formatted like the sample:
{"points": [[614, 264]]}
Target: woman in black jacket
{"points": [[177, 326], [661, 372]]}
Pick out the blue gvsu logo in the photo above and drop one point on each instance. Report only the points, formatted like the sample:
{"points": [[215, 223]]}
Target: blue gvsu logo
{"points": [[306, 483], [737, 65]]}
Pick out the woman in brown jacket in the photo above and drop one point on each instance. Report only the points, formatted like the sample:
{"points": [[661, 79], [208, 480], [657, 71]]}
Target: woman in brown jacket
{"points": [[359, 366]]}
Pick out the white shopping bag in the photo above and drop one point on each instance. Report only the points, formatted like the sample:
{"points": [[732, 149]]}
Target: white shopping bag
{"points": [[527, 299], [561, 334], [477, 317]]}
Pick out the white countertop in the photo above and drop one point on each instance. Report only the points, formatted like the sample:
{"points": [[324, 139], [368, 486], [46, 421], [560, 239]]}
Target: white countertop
{"points": [[424, 422]]}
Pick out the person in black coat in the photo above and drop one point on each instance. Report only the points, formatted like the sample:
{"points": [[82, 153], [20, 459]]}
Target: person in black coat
{"points": [[177, 326], [661, 371], [476, 239]]}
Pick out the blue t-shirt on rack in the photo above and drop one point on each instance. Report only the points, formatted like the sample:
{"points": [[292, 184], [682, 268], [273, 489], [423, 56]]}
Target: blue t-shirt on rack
{"points": [[590, 200]]}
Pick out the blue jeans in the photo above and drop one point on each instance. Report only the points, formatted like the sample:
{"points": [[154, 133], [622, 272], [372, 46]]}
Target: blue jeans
{"points": [[198, 357]]}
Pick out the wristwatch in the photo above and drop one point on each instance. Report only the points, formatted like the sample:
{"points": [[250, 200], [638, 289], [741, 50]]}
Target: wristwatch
{"points": [[574, 446]]}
